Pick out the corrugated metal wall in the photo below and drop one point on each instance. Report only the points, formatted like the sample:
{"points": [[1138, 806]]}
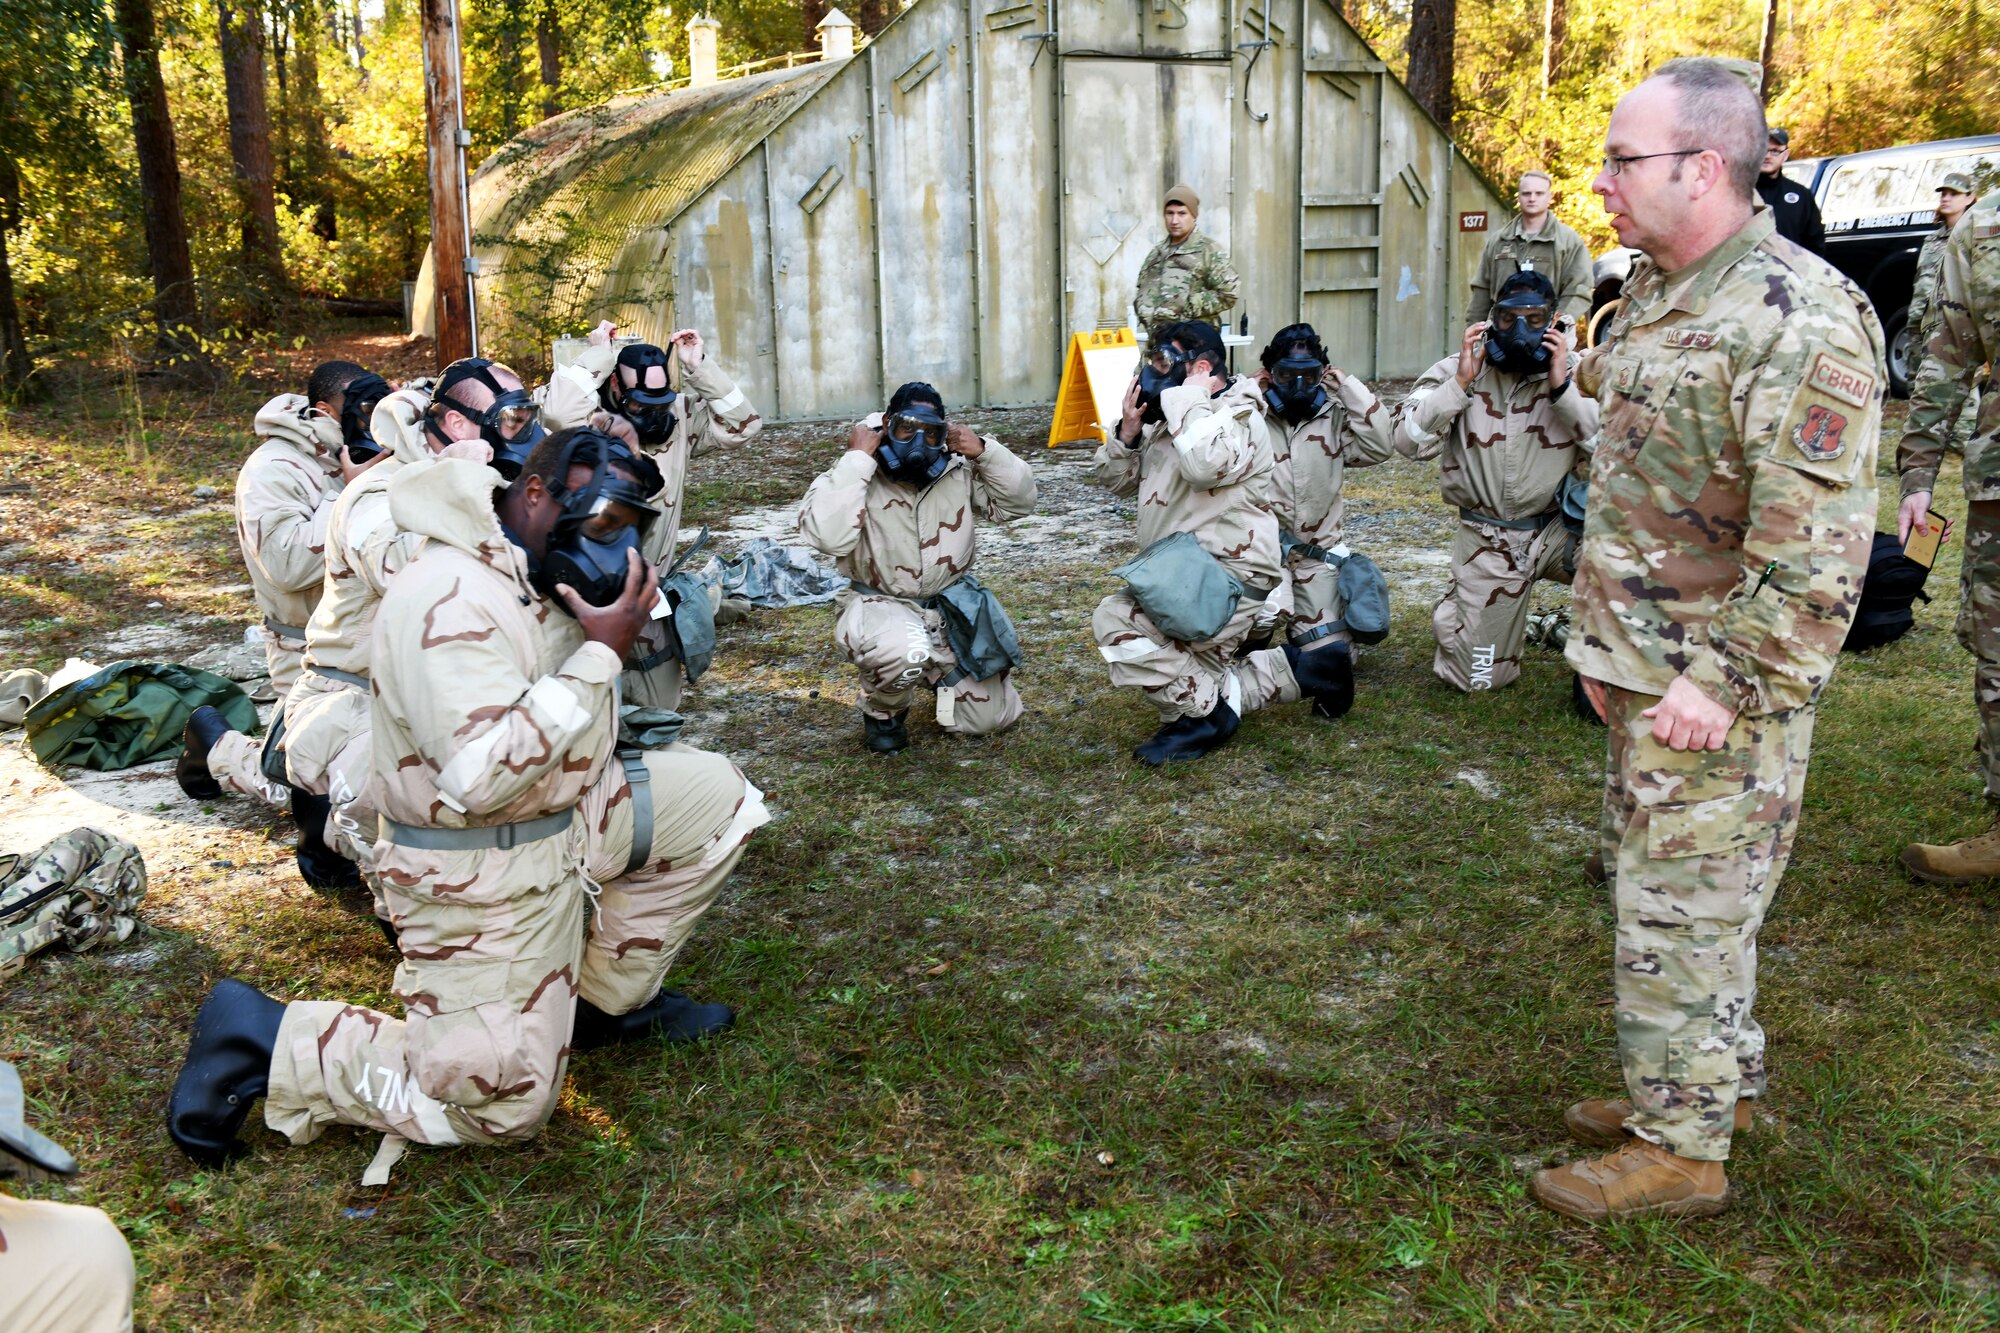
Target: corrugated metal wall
{"points": [[985, 177]]}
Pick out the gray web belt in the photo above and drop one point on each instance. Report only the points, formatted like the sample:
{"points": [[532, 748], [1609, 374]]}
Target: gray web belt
{"points": [[284, 631], [343, 677], [491, 837]]}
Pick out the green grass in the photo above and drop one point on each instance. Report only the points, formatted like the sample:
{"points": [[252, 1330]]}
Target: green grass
{"points": [[1032, 1038]]}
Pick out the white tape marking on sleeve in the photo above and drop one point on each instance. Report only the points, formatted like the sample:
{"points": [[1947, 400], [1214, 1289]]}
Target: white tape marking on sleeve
{"points": [[726, 404], [468, 766], [555, 701], [1129, 651]]}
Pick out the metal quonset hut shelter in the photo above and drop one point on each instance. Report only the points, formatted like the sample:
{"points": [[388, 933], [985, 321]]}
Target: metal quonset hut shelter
{"points": [[983, 179]]}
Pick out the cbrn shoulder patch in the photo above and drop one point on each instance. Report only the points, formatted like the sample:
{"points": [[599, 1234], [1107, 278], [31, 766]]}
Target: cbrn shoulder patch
{"points": [[1841, 380]]}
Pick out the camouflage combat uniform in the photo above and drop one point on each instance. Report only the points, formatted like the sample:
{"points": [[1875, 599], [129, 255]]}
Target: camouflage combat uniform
{"points": [[1506, 445], [78, 891], [492, 709], [1556, 252], [909, 544], [711, 413], [284, 497], [1191, 280], [1308, 476], [327, 714], [1205, 470], [1922, 322], [1732, 509], [1967, 338]]}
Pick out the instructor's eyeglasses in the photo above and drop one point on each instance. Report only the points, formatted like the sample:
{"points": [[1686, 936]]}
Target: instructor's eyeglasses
{"points": [[1614, 163]]}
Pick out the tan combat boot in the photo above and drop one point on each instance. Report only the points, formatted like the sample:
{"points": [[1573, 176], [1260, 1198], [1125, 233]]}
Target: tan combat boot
{"points": [[1973, 861], [1600, 1121], [1593, 869], [1641, 1179]]}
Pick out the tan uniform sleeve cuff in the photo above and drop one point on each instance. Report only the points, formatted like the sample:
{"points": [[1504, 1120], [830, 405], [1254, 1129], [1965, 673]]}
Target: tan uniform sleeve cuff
{"points": [[593, 664]]}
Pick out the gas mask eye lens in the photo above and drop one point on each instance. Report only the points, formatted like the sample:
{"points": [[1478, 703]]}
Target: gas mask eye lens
{"points": [[511, 421], [903, 429]]}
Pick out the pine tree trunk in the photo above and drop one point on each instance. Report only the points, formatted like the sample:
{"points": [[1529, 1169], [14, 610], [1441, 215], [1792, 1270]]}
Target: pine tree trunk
{"points": [[14, 363], [316, 158], [159, 172], [1555, 26], [1770, 44], [242, 40], [1433, 36], [548, 44]]}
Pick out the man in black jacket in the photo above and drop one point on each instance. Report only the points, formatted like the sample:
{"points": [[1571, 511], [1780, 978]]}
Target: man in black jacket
{"points": [[1797, 215]]}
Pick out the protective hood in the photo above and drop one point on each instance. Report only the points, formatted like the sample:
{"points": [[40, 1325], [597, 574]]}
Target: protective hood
{"points": [[398, 422], [451, 501], [286, 420]]}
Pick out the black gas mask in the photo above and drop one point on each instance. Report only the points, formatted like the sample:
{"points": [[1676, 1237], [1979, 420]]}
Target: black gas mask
{"points": [[587, 548], [1296, 393], [1516, 323], [357, 409], [651, 411], [912, 447], [511, 427], [1164, 368]]}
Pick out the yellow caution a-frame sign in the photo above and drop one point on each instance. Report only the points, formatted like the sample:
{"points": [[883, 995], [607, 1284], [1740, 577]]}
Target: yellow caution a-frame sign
{"points": [[1095, 376]]}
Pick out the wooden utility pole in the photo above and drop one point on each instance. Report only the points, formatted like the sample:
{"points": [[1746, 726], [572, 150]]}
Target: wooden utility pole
{"points": [[456, 314]]}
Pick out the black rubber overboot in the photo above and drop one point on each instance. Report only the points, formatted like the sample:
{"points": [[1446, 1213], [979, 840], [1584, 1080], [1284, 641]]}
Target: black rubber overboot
{"points": [[205, 726], [1326, 676], [668, 1016], [319, 865], [388, 929], [1189, 738], [885, 736], [228, 1066]]}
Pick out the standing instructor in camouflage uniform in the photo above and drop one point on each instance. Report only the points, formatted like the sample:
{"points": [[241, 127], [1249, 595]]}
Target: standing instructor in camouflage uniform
{"points": [[1732, 507], [1968, 337], [1186, 276]]}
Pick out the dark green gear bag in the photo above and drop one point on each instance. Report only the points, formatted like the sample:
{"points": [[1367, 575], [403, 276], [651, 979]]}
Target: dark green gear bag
{"points": [[130, 713]]}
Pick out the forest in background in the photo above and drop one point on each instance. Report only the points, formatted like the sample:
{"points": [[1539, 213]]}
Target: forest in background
{"points": [[180, 178]]}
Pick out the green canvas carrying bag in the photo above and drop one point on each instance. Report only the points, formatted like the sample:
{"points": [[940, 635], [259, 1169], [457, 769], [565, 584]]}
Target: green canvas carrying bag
{"points": [[1182, 588]]}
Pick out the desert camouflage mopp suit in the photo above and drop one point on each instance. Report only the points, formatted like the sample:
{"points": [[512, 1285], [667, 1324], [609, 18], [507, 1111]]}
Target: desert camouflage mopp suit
{"points": [[491, 709], [903, 544]]}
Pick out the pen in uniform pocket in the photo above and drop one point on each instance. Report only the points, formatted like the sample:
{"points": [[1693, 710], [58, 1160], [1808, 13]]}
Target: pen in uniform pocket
{"points": [[1769, 570]]}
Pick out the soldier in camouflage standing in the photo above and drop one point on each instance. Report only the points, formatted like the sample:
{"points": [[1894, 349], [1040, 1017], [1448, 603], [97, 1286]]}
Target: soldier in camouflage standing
{"points": [[1186, 276], [1955, 195], [1534, 241], [1968, 337], [1732, 509], [540, 886]]}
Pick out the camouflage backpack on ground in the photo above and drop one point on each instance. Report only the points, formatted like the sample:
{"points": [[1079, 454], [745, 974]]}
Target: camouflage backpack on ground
{"points": [[79, 890]]}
